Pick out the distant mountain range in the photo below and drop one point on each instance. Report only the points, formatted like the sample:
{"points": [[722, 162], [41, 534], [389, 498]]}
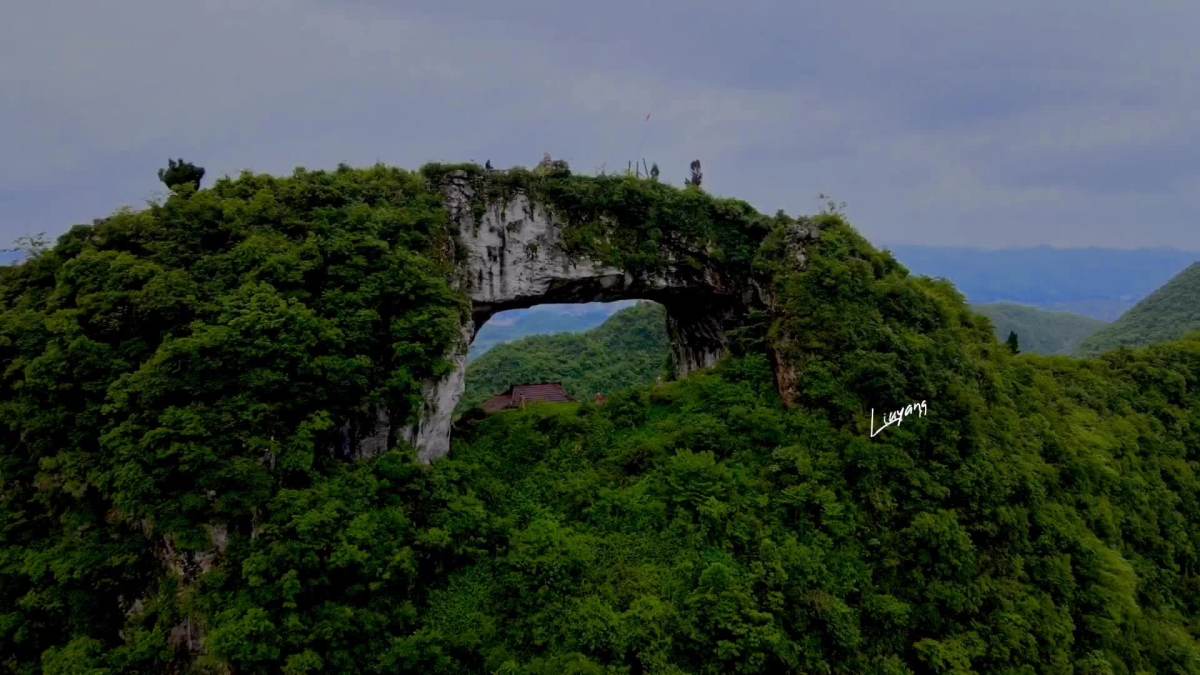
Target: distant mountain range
{"points": [[1096, 282], [9, 257], [1168, 313]]}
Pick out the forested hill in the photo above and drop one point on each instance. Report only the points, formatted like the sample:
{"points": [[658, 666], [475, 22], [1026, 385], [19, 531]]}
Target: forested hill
{"points": [[1039, 331], [628, 349], [1166, 314], [175, 496]]}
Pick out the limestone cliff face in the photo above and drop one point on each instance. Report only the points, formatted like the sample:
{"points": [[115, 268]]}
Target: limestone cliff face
{"points": [[431, 434], [511, 254]]}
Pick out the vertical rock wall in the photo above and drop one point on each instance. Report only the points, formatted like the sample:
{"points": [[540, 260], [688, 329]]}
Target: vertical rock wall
{"points": [[431, 434]]}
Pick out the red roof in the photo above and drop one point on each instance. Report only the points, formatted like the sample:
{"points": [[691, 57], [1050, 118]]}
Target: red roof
{"points": [[518, 395], [550, 392]]}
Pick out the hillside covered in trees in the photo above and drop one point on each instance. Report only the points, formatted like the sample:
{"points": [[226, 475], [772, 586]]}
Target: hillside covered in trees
{"points": [[1040, 331], [628, 349], [1166, 314], [174, 495]]}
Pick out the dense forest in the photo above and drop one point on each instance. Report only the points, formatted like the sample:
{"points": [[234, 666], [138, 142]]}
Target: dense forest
{"points": [[1166, 314], [173, 495], [628, 349]]}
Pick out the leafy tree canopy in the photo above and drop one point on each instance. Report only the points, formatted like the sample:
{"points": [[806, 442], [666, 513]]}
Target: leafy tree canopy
{"points": [[179, 172]]}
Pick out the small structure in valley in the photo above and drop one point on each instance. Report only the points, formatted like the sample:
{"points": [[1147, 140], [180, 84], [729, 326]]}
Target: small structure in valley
{"points": [[519, 395]]}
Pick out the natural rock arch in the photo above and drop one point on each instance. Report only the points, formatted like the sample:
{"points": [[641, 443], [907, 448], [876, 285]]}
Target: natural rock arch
{"points": [[510, 254]]}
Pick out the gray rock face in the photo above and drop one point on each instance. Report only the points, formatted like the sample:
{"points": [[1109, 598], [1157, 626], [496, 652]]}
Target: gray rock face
{"points": [[512, 256], [515, 258], [431, 434]]}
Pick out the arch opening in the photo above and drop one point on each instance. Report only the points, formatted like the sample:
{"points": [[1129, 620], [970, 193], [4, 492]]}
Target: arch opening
{"points": [[578, 352], [511, 325]]}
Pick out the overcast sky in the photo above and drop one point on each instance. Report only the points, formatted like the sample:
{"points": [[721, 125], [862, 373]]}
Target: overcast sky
{"points": [[957, 122]]}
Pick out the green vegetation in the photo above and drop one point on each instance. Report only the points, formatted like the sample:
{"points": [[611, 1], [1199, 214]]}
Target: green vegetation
{"points": [[1040, 332], [700, 526], [1166, 314], [179, 172], [175, 381], [183, 366], [629, 349], [632, 348], [1013, 343]]}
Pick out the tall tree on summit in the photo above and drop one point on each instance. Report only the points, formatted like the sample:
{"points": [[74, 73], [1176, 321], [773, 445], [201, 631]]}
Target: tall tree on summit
{"points": [[1013, 345], [696, 177], [179, 172]]}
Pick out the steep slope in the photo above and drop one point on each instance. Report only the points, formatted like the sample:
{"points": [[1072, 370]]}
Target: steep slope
{"points": [[628, 349], [701, 526], [1034, 519], [1039, 331], [165, 374], [1166, 314]]}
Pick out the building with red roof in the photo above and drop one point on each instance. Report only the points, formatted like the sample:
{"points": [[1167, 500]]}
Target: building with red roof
{"points": [[519, 395]]}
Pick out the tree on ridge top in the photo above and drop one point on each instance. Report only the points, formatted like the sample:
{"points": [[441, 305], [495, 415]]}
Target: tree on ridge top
{"points": [[179, 172]]}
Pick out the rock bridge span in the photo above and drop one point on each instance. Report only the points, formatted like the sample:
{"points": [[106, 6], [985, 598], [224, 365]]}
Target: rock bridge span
{"points": [[511, 253]]}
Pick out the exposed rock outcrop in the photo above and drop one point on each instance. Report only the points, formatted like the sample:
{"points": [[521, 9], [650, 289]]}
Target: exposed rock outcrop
{"points": [[188, 566], [431, 434]]}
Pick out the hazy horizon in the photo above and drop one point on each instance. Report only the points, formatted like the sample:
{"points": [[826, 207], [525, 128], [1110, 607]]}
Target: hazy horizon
{"points": [[936, 122]]}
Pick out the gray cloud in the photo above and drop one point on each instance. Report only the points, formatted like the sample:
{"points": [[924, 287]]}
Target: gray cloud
{"points": [[938, 122]]}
